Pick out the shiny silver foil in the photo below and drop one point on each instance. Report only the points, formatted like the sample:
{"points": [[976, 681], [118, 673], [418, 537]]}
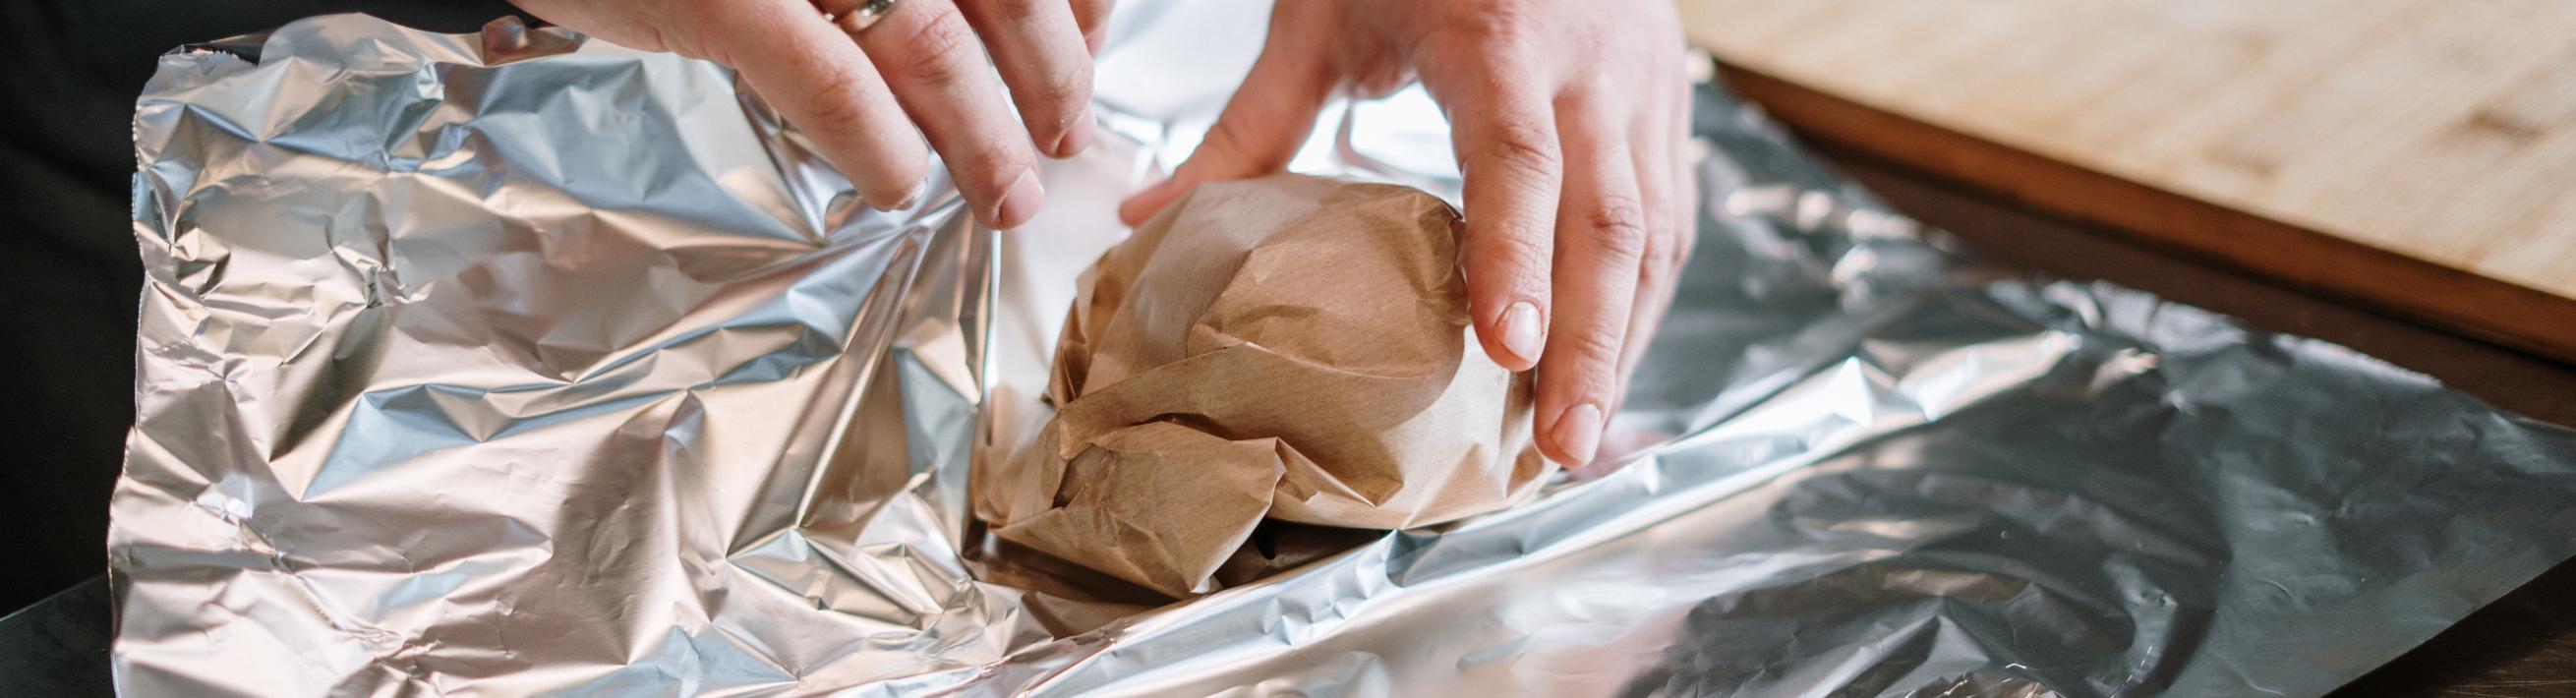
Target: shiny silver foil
{"points": [[511, 363]]}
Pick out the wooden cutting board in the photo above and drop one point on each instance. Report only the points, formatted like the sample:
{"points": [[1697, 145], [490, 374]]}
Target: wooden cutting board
{"points": [[2419, 155]]}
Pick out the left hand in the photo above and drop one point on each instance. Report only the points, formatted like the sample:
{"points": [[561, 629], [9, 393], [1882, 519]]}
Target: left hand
{"points": [[1571, 124], [859, 95]]}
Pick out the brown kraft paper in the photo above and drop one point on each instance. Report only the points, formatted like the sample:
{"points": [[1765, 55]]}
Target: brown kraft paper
{"points": [[1289, 348]]}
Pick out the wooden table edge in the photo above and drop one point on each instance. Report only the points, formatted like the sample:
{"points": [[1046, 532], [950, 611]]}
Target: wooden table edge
{"points": [[2461, 301]]}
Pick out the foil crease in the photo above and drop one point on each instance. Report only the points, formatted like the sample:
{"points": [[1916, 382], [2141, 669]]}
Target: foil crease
{"points": [[515, 363]]}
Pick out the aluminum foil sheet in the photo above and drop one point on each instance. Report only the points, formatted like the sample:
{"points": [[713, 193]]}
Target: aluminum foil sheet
{"points": [[512, 364]]}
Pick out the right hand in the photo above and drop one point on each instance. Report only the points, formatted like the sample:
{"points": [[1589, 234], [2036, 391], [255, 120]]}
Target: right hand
{"points": [[922, 64], [1572, 119]]}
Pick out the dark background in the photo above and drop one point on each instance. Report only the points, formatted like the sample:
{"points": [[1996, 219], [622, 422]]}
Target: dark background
{"points": [[69, 275]]}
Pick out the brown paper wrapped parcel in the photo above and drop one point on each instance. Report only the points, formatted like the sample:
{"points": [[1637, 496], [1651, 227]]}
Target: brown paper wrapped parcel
{"points": [[1289, 348]]}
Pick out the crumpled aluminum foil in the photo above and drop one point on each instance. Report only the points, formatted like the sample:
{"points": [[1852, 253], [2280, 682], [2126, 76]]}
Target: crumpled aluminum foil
{"points": [[510, 363]]}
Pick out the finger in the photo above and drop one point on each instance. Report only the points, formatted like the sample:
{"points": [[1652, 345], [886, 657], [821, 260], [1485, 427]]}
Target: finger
{"points": [[1663, 171], [808, 69], [939, 75], [636, 30], [1093, 17], [1652, 268], [1039, 50], [1601, 233], [1260, 129], [1510, 160]]}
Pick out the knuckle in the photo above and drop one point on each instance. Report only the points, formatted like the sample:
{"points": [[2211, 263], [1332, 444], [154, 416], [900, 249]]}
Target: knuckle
{"points": [[1017, 11], [1662, 258], [1509, 263], [1522, 143], [673, 32], [993, 168], [840, 101], [1519, 249], [1059, 93], [1595, 355], [1685, 241], [1493, 25], [933, 54], [652, 36], [1618, 224], [696, 45]]}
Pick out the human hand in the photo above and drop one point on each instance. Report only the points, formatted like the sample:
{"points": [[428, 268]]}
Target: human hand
{"points": [[855, 93], [1570, 119]]}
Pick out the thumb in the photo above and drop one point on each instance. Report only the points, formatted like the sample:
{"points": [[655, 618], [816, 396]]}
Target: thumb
{"points": [[1260, 129]]}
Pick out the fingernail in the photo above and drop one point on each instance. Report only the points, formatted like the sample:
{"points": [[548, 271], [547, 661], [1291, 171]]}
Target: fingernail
{"points": [[1523, 334], [1076, 135], [1578, 431], [909, 199], [1019, 201], [1095, 39]]}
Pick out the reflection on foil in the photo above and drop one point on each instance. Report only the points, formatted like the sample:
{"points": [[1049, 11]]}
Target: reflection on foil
{"points": [[512, 364]]}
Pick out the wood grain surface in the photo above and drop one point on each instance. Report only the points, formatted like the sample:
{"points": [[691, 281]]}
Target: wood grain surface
{"points": [[2416, 155]]}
